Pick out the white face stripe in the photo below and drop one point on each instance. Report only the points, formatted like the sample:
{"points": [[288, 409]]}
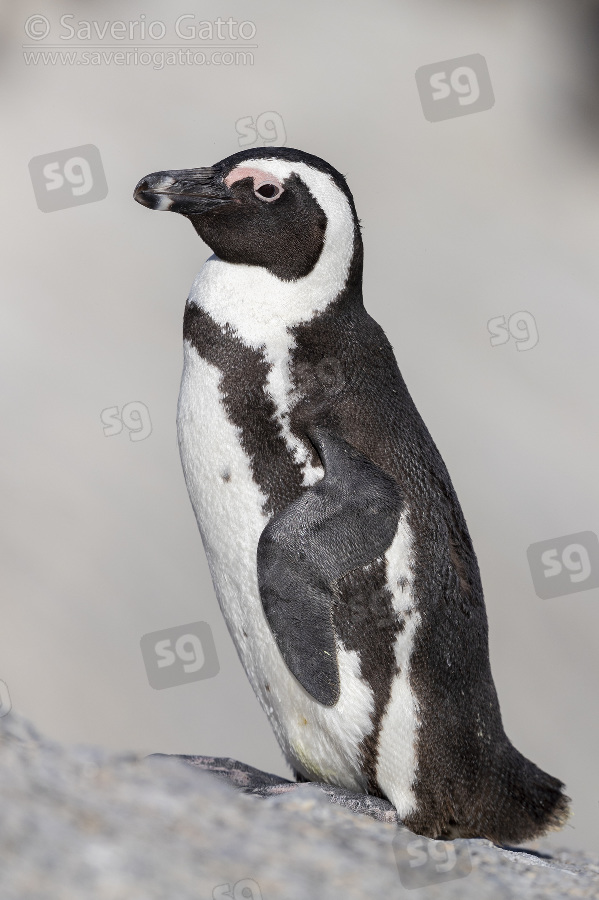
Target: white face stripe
{"points": [[261, 307]]}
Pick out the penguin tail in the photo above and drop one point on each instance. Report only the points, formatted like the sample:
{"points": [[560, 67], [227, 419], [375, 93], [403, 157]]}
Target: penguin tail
{"points": [[519, 801]]}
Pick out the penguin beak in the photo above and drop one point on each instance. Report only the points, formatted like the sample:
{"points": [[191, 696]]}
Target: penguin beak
{"points": [[186, 191]]}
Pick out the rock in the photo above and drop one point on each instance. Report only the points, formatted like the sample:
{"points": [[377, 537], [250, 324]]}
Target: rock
{"points": [[79, 823]]}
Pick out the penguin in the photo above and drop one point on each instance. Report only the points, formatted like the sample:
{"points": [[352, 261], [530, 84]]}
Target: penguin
{"points": [[337, 546]]}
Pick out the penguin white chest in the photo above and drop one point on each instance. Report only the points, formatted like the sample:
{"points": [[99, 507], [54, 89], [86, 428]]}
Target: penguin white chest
{"points": [[322, 742]]}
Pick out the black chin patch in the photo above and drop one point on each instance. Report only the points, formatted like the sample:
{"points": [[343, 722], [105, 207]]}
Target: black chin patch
{"points": [[285, 236]]}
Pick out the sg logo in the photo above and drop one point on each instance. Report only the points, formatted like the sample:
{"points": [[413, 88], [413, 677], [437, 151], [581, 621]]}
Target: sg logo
{"points": [[246, 889], [421, 861], [456, 87], [520, 325], [134, 415], [268, 130], [179, 655], [565, 565], [68, 178], [327, 374]]}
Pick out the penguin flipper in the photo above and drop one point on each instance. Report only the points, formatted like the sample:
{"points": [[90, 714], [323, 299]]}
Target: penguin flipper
{"points": [[345, 521]]}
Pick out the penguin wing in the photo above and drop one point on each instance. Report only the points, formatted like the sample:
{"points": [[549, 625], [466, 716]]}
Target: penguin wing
{"points": [[345, 521]]}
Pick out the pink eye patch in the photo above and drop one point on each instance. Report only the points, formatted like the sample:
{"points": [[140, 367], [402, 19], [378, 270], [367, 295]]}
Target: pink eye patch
{"points": [[266, 186]]}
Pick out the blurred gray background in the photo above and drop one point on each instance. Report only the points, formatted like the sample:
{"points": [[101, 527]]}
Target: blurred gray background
{"points": [[465, 220]]}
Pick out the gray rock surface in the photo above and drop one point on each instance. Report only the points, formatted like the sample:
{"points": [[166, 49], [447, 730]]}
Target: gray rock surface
{"points": [[79, 823]]}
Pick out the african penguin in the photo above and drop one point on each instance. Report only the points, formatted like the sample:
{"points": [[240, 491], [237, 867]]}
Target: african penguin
{"points": [[338, 549]]}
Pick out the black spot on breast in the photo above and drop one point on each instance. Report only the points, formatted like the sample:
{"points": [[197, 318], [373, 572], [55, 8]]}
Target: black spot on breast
{"points": [[226, 475]]}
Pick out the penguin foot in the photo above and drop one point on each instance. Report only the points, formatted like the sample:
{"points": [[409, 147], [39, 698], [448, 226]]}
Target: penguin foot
{"points": [[366, 804], [263, 784]]}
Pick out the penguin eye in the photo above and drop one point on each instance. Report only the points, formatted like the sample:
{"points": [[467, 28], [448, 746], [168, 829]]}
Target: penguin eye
{"points": [[268, 191]]}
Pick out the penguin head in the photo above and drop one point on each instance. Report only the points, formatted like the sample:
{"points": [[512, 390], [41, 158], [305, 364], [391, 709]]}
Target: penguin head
{"points": [[272, 207]]}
